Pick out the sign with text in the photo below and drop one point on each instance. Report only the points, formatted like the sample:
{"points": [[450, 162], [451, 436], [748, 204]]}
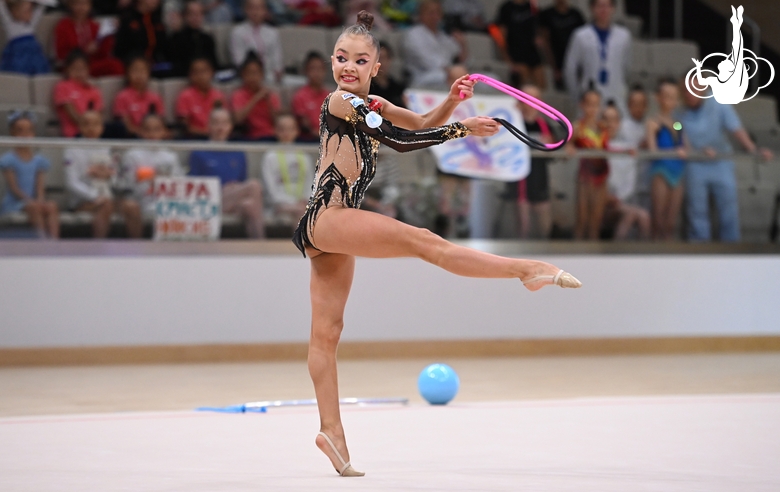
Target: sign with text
{"points": [[501, 157], [187, 208]]}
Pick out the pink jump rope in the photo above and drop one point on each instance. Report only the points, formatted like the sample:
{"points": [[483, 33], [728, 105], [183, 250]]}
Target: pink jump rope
{"points": [[543, 108]]}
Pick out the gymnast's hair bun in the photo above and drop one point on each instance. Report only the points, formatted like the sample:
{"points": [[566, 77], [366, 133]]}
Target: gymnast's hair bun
{"points": [[365, 19]]}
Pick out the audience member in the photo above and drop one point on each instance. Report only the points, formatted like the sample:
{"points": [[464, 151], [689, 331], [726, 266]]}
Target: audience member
{"points": [[217, 11], [254, 104], [707, 124], [22, 53], [307, 101], [141, 165], [517, 20], [429, 51], [75, 94], [621, 211], [198, 100], [464, 15], [256, 35], [287, 174], [666, 190], [79, 30], [136, 100], [599, 55], [24, 173], [353, 7], [533, 192], [314, 12], [399, 12], [142, 32], [192, 41], [240, 195], [385, 85], [593, 172], [90, 178], [557, 23]]}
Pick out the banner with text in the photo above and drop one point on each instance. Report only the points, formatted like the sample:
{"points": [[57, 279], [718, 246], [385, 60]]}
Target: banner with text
{"points": [[187, 208], [501, 157]]}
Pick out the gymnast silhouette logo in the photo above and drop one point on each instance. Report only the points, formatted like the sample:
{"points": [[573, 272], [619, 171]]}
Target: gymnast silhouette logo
{"points": [[730, 84]]}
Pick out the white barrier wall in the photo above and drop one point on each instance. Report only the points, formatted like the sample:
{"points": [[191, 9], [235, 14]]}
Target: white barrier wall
{"points": [[83, 301]]}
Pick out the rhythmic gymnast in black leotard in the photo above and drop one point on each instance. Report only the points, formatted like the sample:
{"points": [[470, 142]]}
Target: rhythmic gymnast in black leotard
{"points": [[333, 231]]}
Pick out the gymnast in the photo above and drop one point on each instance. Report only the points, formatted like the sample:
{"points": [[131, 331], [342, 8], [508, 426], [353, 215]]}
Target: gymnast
{"points": [[333, 230]]}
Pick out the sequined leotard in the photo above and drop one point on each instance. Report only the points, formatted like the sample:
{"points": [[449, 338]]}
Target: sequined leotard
{"points": [[347, 160]]}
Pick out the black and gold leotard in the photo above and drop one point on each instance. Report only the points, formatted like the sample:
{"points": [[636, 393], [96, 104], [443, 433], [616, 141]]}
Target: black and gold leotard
{"points": [[347, 160]]}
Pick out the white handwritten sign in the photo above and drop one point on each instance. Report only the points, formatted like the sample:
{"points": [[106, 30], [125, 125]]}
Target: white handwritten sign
{"points": [[187, 208], [501, 157]]}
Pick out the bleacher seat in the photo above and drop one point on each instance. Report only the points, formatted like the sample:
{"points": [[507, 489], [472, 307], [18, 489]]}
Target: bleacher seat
{"points": [[298, 41], [673, 57], [480, 47], [631, 22], [15, 89], [221, 33], [42, 88], [109, 87], [333, 34], [44, 32], [759, 113], [756, 203], [169, 91]]}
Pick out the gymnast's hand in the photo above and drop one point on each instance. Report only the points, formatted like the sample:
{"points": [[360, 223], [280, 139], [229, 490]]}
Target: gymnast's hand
{"points": [[481, 126], [461, 89]]}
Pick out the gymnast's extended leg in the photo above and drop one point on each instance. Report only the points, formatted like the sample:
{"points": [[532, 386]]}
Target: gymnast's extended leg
{"points": [[331, 280], [361, 233]]}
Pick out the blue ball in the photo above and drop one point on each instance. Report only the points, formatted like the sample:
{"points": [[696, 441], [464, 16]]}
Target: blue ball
{"points": [[438, 384]]}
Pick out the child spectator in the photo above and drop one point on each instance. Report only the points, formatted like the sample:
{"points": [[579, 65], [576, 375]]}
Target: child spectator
{"points": [[666, 175], [256, 35], [91, 176], [307, 101], [518, 21], [78, 30], [533, 192], [191, 41], [254, 105], [239, 195], [384, 85], [22, 52], [196, 102], [622, 180], [74, 95], [593, 172], [25, 175], [142, 32], [287, 175], [141, 165], [136, 100]]}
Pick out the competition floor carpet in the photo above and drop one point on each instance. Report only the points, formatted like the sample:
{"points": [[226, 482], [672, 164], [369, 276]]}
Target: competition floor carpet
{"points": [[659, 423], [675, 443]]}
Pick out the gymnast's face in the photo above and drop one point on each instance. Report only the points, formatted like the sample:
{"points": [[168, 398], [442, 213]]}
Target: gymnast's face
{"points": [[355, 63]]}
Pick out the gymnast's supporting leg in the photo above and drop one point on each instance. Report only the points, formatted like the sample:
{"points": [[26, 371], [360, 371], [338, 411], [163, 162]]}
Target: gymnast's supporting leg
{"points": [[331, 280], [361, 233]]}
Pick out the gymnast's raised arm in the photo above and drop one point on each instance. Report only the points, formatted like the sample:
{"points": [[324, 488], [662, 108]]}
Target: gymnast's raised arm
{"points": [[435, 117], [403, 140]]}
